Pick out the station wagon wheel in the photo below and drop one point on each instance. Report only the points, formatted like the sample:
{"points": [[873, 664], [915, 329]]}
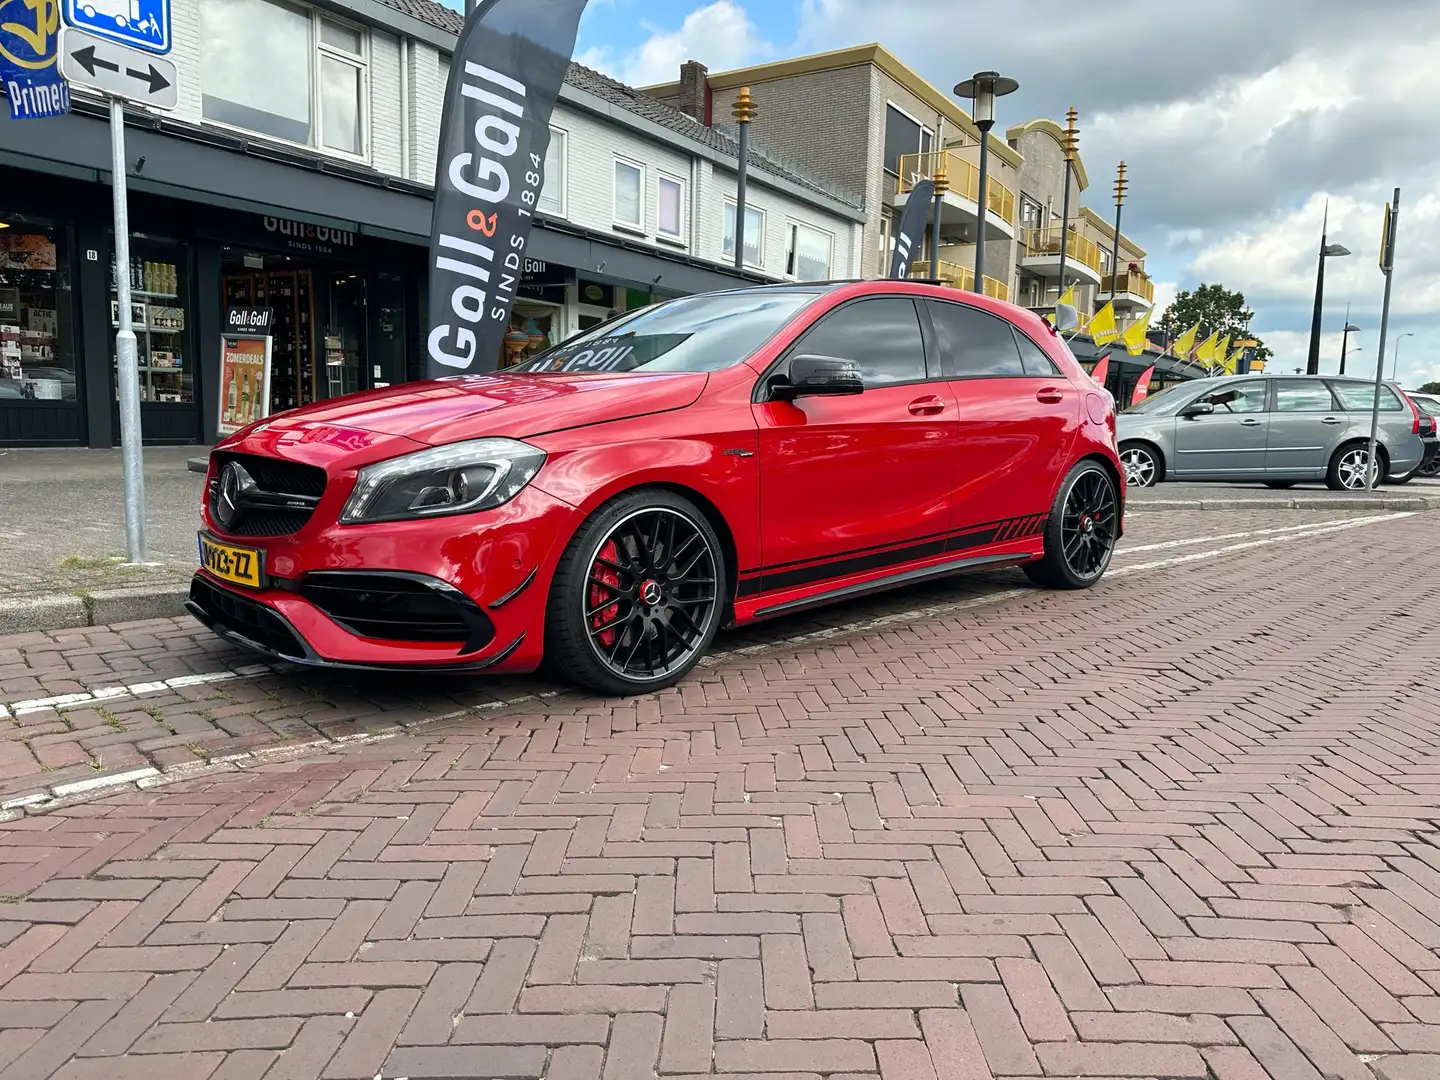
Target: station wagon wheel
{"points": [[1140, 465], [638, 596], [1348, 467], [1082, 530]]}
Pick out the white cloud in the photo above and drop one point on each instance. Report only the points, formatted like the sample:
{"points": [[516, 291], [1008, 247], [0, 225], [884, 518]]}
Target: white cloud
{"points": [[719, 35]]}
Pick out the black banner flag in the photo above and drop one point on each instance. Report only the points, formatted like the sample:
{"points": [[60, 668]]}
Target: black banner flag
{"points": [[912, 228], [509, 65]]}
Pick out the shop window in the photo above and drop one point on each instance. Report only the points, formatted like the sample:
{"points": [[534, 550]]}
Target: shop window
{"points": [[534, 327], [159, 319], [807, 256], [629, 194], [552, 195], [284, 71], [754, 235], [37, 358], [671, 223]]}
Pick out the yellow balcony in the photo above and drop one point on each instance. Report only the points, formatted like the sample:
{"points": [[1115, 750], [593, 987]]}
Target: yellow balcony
{"points": [[1043, 242], [964, 181], [961, 277], [1129, 283]]}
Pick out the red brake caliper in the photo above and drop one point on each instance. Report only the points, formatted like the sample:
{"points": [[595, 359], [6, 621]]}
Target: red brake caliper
{"points": [[598, 594]]}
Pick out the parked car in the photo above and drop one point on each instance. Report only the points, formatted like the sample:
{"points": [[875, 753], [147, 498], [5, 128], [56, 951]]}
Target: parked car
{"points": [[1429, 405], [1279, 429], [610, 504]]}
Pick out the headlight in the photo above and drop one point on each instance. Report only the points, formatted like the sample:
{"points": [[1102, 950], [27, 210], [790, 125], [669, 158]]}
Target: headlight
{"points": [[457, 479]]}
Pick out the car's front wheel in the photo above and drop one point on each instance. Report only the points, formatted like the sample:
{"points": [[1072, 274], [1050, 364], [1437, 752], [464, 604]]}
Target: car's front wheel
{"points": [[638, 595], [1082, 530]]}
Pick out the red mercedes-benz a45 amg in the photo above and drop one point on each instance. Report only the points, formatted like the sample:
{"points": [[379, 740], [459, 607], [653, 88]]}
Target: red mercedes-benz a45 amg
{"points": [[611, 504]]}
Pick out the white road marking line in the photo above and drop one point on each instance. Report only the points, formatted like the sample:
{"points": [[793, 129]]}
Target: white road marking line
{"points": [[1266, 537]]}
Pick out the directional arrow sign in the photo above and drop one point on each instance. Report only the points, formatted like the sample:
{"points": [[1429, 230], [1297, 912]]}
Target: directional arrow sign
{"points": [[117, 70]]}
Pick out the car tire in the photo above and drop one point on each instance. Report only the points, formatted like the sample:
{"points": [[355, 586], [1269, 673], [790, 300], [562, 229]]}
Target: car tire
{"points": [[1141, 464], [1347, 470], [1280, 485], [1405, 479], [638, 596], [1081, 531]]}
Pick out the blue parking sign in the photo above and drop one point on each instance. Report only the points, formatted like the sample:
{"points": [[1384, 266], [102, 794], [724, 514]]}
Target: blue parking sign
{"points": [[141, 24]]}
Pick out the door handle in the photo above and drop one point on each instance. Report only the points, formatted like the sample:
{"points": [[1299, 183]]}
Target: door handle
{"points": [[1332, 420], [1049, 395], [1249, 422], [927, 406]]}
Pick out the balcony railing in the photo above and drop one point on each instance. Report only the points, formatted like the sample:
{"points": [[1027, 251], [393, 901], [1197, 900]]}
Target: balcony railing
{"points": [[1047, 242], [964, 181], [1132, 282], [961, 277]]}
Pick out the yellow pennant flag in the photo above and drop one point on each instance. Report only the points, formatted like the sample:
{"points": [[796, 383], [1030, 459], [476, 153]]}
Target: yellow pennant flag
{"points": [[1185, 343], [1134, 336], [1232, 365], [1067, 297], [1206, 352], [1102, 325]]}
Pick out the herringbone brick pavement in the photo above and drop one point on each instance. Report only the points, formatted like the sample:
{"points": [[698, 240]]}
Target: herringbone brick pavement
{"points": [[1183, 826]]}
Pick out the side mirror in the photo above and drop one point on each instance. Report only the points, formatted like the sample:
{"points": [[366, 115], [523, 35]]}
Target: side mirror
{"points": [[819, 376], [1198, 408], [1066, 318]]}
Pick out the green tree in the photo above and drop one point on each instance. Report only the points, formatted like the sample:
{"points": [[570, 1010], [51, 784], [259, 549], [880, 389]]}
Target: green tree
{"points": [[1214, 307], [1430, 388]]}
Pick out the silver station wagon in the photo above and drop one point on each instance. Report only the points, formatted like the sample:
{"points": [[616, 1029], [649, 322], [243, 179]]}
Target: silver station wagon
{"points": [[1277, 429]]}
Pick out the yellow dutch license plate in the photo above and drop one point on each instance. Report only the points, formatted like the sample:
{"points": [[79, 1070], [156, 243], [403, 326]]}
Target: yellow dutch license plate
{"points": [[239, 565]]}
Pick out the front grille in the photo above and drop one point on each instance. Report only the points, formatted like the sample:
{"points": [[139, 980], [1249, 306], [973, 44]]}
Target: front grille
{"points": [[396, 607], [273, 477], [247, 618]]}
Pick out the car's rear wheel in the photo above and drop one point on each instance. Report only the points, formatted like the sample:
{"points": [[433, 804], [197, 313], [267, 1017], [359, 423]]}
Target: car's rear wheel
{"points": [[638, 595], [1082, 530], [1348, 467], [1432, 469], [1141, 464]]}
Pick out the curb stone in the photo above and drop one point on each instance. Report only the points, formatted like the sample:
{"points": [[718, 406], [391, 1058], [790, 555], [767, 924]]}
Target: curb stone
{"points": [[1319, 502], [197, 464], [102, 607]]}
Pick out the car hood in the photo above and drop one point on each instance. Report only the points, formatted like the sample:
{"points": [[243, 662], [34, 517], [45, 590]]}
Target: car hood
{"points": [[514, 405]]}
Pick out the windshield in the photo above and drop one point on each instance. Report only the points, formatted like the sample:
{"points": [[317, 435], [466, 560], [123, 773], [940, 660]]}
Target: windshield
{"points": [[696, 333], [1158, 402]]}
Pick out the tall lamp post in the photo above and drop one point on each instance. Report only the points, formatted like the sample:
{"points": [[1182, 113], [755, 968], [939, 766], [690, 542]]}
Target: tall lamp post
{"points": [[1121, 186], [1350, 328], [744, 111], [942, 185], [1395, 370], [982, 89], [1071, 146], [1327, 251]]}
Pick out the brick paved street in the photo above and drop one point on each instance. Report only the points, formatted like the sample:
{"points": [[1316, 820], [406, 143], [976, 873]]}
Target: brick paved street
{"points": [[1182, 826]]}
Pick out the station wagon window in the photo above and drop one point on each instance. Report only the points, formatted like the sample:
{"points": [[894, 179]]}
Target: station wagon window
{"points": [[1360, 397], [973, 343], [1245, 398], [1299, 395], [882, 336]]}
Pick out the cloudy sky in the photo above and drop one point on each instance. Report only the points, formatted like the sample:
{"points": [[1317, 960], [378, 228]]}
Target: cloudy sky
{"points": [[1237, 121]]}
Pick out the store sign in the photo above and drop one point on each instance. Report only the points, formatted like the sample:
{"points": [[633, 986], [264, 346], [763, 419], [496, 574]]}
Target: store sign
{"points": [[244, 369], [29, 74], [248, 321], [541, 280], [311, 239], [596, 294]]}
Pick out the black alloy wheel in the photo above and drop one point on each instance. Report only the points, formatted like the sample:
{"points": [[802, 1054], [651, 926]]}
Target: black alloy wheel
{"points": [[639, 594], [1082, 531]]}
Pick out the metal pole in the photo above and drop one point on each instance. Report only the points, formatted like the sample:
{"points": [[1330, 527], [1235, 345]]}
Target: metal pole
{"points": [[1065, 225], [127, 368], [1344, 339], [984, 127], [1395, 367], [1115, 254], [1372, 472], [938, 171], [744, 141], [1312, 364]]}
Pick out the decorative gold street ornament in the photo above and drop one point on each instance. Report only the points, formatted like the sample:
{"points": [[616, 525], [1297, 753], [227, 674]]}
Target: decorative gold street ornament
{"points": [[744, 107], [1071, 143], [743, 111], [941, 181], [1121, 185]]}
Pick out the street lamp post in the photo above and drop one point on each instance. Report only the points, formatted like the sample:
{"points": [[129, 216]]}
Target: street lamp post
{"points": [[982, 89], [744, 112], [1121, 185], [1395, 370], [1350, 328], [1327, 251], [1071, 146]]}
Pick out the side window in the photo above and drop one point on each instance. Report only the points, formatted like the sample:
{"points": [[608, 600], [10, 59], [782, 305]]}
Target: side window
{"points": [[1302, 395], [1360, 397], [1033, 358], [882, 336], [973, 344], [1245, 398]]}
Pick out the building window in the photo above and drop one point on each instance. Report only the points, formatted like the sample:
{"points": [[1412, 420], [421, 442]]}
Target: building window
{"points": [[671, 223], [629, 194], [903, 135], [37, 356], [754, 235], [552, 194], [807, 255], [284, 71], [1030, 213]]}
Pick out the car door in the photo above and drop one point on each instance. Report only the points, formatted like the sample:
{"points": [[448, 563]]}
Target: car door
{"points": [[850, 484], [1305, 422], [1229, 443], [1016, 414]]}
